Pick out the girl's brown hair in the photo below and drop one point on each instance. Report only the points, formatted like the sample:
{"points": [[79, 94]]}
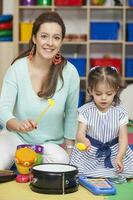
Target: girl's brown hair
{"points": [[49, 89], [106, 74]]}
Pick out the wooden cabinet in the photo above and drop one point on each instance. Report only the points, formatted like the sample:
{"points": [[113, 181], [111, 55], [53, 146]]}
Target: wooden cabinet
{"points": [[79, 42], [6, 57]]}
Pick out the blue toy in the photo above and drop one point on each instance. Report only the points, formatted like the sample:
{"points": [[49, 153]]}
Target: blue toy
{"points": [[5, 18], [98, 186], [6, 38]]}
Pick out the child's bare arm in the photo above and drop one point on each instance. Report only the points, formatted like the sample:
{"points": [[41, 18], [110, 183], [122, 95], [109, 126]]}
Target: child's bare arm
{"points": [[82, 128], [123, 143]]}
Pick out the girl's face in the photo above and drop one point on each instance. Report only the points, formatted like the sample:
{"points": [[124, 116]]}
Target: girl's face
{"points": [[48, 40], [103, 96]]}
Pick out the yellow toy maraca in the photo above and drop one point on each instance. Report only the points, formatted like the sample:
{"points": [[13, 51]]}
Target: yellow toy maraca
{"points": [[81, 146]]}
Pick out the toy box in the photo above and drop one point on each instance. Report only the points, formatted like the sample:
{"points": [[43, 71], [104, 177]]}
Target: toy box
{"points": [[129, 67], [25, 31], [81, 98], [129, 31], [104, 30], [80, 64], [116, 62], [69, 2], [130, 2]]}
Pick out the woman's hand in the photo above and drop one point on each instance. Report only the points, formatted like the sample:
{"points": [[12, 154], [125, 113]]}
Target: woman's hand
{"points": [[119, 164], [21, 126], [26, 126]]}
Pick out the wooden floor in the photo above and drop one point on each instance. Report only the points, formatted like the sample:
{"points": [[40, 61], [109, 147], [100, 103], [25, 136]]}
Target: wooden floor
{"points": [[21, 191]]}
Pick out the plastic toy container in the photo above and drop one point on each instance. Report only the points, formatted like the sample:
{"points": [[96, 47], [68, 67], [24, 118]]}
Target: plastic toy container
{"points": [[5, 33], [5, 18], [104, 30], [116, 62], [6, 38], [44, 2], [129, 31], [130, 2], [129, 67], [80, 64], [69, 2], [6, 25], [25, 31], [98, 2], [28, 2]]}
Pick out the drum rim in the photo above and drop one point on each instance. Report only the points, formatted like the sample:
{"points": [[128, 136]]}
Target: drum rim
{"points": [[35, 171], [53, 191]]}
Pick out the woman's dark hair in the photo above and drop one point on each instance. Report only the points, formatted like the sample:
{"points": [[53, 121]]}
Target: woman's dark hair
{"points": [[55, 71], [108, 75]]}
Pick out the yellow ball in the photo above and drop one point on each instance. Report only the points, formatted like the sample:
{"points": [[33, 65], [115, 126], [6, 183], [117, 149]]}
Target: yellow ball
{"points": [[81, 146]]}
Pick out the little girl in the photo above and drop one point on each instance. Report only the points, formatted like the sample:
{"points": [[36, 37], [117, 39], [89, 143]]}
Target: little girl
{"points": [[103, 129]]}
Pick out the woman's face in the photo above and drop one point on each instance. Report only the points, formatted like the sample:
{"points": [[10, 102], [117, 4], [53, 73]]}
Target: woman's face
{"points": [[48, 40]]}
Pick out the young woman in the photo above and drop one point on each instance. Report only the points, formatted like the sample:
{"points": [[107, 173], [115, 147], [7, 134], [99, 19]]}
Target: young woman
{"points": [[103, 129], [39, 74]]}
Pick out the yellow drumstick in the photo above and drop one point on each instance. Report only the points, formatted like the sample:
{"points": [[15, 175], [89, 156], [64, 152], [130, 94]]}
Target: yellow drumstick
{"points": [[51, 103]]}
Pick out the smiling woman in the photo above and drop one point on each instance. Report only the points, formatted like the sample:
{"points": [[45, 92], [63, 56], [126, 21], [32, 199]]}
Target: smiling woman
{"points": [[37, 75]]}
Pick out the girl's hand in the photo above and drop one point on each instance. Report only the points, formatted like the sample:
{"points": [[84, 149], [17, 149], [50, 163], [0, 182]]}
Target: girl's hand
{"points": [[119, 165], [26, 126], [85, 145]]}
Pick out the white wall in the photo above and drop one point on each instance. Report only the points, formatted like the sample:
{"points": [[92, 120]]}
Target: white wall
{"points": [[8, 6]]}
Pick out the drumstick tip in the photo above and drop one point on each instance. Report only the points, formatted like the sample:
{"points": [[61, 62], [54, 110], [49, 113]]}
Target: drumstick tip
{"points": [[51, 102]]}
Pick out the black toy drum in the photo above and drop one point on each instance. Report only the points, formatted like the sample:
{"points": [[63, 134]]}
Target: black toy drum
{"points": [[53, 178]]}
